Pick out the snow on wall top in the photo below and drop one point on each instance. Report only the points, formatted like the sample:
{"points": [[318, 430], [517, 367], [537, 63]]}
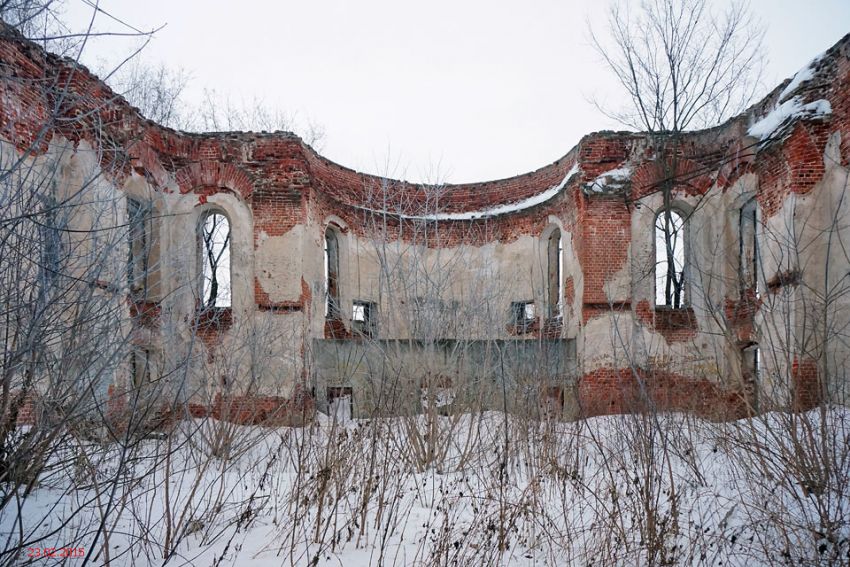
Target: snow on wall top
{"points": [[610, 181], [532, 201], [785, 114]]}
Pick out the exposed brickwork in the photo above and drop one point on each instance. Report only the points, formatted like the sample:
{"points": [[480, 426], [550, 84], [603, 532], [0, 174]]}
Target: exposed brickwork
{"points": [[569, 295], [805, 384], [211, 324], [22, 408], [676, 325], [271, 411], [692, 176], [740, 315], [349, 187], [336, 329], [602, 247], [611, 391], [214, 174], [263, 410], [552, 328], [145, 313], [783, 279], [285, 306], [285, 183], [794, 166]]}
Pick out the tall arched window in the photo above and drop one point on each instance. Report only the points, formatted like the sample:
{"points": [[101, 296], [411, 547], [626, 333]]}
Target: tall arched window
{"points": [[748, 246], [670, 259], [138, 219], [332, 310], [215, 255], [554, 274]]}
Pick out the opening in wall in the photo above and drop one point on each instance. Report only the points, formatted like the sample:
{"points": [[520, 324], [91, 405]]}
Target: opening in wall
{"points": [[215, 255], [670, 259], [139, 367], [523, 315], [748, 249], [138, 220], [332, 310], [364, 318], [555, 274], [53, 250]]}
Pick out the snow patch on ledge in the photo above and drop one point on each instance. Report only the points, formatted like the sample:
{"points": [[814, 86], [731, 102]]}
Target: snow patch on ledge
{"points": [[532, 201], [610, 180], [785, 113], [803, 75]]}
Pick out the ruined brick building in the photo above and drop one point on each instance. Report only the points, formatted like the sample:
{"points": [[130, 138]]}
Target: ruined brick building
{"points": [[268, 278]]}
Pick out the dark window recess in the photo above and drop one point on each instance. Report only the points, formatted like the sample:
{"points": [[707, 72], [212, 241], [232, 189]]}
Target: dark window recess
{"points": [[364, 318], [523, 315], [139, 367], [53, 251], [748, 249], [138, 217], [554, 275], [331, 274]]}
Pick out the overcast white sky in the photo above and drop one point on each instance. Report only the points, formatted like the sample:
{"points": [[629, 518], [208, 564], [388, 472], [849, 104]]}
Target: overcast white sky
{"points": [[460, 90]]}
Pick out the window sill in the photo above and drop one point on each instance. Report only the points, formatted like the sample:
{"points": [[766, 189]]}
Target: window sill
{"points": [[214, 318], [674, 318]]}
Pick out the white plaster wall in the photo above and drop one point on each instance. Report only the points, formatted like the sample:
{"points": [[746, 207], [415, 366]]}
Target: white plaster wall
{"points": [[475, 283]]}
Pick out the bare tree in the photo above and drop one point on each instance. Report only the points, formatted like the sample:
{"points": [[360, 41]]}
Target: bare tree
{"points": [[219, 113], [156, 90], [682, 67]]}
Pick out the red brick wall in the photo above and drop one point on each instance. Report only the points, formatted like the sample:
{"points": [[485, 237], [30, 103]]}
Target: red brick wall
{"points": [[612, 391], [286, 183], [805, 384], [602, 246]]}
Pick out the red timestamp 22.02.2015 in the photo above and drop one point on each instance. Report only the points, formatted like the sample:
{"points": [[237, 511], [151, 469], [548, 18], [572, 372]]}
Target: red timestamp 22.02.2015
{"points": [[55, 552]]}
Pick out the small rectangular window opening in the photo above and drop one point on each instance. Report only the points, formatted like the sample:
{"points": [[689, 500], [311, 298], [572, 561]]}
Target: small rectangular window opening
{"points": [[523, 314], [364, 319]]}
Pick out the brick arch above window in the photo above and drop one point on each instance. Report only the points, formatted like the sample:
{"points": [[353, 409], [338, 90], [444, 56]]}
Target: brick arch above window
{"points": [[199, 176], [691, 177]]}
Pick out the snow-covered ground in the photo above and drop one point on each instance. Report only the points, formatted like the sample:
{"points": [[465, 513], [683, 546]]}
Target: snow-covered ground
{"points": [[470, 489]]}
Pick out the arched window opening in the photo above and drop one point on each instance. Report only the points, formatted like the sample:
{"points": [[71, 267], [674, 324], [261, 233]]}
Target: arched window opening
{"points": [[53, 250], [331, 274], [138, 218], [555, 274], [670, 259], [215, 252], [140, 367], [749, 258]]}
